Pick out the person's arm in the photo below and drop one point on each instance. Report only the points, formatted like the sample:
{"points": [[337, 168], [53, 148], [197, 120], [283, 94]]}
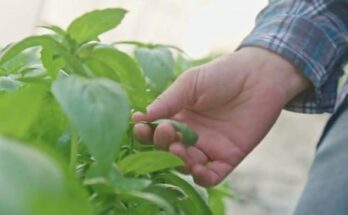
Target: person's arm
{"points": [[312, 35], [234, 101]]}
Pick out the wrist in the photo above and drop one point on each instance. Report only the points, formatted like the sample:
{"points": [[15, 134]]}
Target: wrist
{"points": [[274, 70]]}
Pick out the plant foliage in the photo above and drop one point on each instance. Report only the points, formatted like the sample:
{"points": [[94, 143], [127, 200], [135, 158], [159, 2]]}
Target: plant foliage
{"points": [[67, 145]]}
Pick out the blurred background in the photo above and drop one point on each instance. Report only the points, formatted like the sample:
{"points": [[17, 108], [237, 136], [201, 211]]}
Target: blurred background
{"points": [[269, 181]]}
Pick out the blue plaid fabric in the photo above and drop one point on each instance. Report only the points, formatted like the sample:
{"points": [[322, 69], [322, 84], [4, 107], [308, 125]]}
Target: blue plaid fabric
{"points": [[312, 35]]}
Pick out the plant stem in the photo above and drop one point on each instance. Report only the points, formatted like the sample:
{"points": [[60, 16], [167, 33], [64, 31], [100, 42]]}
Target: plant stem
{"points": [[73, 150]]}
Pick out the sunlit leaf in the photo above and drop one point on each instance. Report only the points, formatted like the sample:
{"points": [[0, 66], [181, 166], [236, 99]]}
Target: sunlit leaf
{"points": [[90, 25], [126, 70], [148, 162], [19, 109]]}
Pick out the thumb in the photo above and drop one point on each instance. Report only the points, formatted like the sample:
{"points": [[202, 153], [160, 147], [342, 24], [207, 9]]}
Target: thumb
{"points": [[172, 100]]}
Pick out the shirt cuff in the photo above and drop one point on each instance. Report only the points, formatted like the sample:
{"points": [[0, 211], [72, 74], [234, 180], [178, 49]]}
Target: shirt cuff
{"points": [[310, 49]]}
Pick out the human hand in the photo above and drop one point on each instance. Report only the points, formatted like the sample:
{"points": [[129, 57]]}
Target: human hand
{"points": [[231, 103]]}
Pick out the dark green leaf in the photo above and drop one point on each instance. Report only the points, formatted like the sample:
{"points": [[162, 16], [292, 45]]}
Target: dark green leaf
{"points": [[101, 69], [148, 162], [127, 71], [150, 198], [173, 194], [157, 65], [50, 123], [32, 184], [90, 25], [99, 110]]}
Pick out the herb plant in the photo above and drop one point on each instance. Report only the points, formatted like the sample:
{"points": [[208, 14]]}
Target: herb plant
{"points": [[66, 145]]}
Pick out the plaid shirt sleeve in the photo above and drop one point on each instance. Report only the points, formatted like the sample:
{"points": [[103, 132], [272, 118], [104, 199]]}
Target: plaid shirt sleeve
{"points": [[313, 36]]}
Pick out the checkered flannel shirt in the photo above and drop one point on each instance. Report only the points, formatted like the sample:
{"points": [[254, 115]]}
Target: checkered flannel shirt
{"points": [[312, 35]]}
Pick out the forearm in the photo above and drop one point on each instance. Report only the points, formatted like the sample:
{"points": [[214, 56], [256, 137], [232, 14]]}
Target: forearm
{"points": [[309, 35]]}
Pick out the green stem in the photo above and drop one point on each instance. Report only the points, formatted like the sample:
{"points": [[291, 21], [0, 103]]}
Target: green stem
{"points": [[73, 150]]}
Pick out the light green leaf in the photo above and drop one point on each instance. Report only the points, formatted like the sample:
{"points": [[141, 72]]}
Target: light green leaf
{"points": [[148, 162], [127, 71], [194, 204], [217, 197], [32, 184], [216, 202], [99, 110], [19, 109], [52, 61], [157, 65], [56, 29], [90, 25]]}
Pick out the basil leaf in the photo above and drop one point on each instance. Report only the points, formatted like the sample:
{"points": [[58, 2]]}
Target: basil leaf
{"points": [[148, 162], [90, 25], [127, 71], [157, 65], [99, 110], [32, 183]]}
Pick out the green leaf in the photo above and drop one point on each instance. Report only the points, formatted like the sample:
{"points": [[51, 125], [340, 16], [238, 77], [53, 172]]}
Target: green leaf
{"points": [[90, 25], [19, 109], [101, 69], [50, 124], [194, 204], [32, 183], [148, 162], [56, 29], [181, 64], [149, 198], [157, 65], [99, 110], [127, 71], [115, 181], [26, 43], [9, 83], [52, 61], [217, 197], [46, 41], [170, 192], [25, 59]]}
